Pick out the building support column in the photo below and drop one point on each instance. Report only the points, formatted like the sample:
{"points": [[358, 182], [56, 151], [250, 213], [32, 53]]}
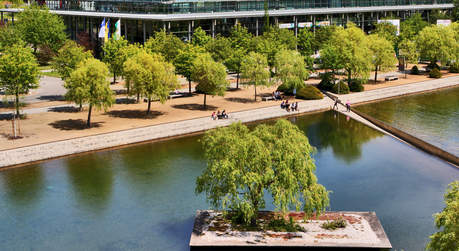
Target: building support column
{"points": [[295, 23], [256, 26], [235, 22], [12, 18], [169, 26], [189, 31], [144, 31], [125, 30], [213, 27], [314, 24], [90, 28], [2, 16], [363, 22], [276, 21]]}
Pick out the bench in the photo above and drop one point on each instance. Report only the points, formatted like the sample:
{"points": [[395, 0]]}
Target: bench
{"points": [[391, 78], [267, 98]]}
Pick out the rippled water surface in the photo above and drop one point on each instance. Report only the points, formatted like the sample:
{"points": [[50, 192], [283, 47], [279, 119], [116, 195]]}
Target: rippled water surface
{"points": [[433, 117], [142, 197]]}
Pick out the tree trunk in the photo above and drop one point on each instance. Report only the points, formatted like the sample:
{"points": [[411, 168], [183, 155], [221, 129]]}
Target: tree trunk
{"points": [[88, 123], [138, 97], [149, 105], [255, 87], [205, 100], [237, 80], [349, 77], [81, 107], [17, 103], [376, 74], [189, 86], [114, 78]]}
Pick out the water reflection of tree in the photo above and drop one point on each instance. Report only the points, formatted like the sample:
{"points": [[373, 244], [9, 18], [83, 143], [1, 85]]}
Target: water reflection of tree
{"points": [[154, 165], [344, 136], [91, 177], [23, 186]]}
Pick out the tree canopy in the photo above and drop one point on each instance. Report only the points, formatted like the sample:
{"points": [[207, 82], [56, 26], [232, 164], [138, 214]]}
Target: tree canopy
{"points": [[152, 76], [273, 41], [68, 57], [383, 54], [254, 70], [411, 27], [388, 31], [210, 76], [200, 37], [409, 50], [18, 71], [438, 43], [39, 27], [9, 37], [165, 44], [291, 69], [113, 55], [448, 220], [219, 48], [88, 84], [242, 165], [184, 61]]}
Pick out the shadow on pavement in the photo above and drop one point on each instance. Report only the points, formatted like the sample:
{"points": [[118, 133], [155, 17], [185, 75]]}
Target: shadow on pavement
{"points": [[134, 114], [73, 124]]}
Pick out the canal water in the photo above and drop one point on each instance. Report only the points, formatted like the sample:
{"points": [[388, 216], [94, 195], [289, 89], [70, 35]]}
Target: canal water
{"points": [[142, 197], [433, 117]]}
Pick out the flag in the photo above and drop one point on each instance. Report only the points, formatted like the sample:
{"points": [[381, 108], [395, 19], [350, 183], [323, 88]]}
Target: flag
{"points": [[117, 34], [107, 31], [102, 29]]}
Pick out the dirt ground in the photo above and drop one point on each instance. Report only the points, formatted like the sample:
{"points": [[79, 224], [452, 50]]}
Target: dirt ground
{"points": [[63, 123]]}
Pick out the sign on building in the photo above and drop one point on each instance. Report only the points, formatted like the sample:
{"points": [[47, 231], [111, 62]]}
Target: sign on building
{"points": [[444, 22], [305, 25], [287, 26]]}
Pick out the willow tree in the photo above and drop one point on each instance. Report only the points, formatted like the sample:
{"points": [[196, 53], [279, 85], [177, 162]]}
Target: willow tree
{"points": [[18, 72], [210, 76], [242, 165], [448, 220], [88, 84], [383, 54], [255, 71], [291, 69], [152, 76]]}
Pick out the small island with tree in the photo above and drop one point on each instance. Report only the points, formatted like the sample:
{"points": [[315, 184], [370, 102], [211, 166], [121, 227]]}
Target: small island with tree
{"points": [[245, 168]]}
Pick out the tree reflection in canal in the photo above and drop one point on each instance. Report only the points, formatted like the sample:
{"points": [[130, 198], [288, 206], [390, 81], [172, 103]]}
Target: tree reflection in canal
{"points": [[23, 186]]}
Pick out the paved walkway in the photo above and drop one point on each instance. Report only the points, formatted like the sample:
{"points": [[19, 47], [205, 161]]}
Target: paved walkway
{"points": [[97, 142]]}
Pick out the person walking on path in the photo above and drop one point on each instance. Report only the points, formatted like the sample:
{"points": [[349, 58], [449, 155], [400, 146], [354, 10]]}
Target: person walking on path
{"points": [[348, 106], [335, 106]]}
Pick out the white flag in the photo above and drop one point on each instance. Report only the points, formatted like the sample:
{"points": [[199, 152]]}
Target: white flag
{"points": [[102, 29]]}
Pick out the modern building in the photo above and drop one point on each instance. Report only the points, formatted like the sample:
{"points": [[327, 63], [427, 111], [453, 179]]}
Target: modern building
{"points": [[140, 18]]}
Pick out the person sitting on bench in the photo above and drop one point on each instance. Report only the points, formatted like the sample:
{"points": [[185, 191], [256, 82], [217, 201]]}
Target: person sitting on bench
{"points": [[224, 115], [283, 105], [287, 106]]}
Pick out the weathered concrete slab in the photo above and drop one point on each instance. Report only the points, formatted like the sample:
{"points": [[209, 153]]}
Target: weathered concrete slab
{"points": [[363, 230]]}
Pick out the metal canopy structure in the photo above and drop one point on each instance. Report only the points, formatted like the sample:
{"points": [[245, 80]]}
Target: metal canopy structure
{"points": [[244, 14]]}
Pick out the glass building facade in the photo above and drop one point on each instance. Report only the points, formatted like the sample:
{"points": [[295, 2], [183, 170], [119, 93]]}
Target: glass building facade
{"points": [[211, 6]]}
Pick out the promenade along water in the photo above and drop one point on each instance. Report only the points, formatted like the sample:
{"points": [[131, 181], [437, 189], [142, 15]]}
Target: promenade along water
{"points": [[142, 197], [432, 117]]}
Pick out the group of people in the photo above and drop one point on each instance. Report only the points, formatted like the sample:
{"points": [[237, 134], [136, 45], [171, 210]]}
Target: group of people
{"points": [[277, 95], [337, 101], [289, 107], [219, 115]]}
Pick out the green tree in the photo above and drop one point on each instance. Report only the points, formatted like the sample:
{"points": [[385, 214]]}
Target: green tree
{"points": [[241, 41], [254, 70], [448, 220], [9, 37], [152, 76], [242, 165], [219, 48], [437, 43], [127, 52], [306, 46], [184, 61], [291, 69], [68, 57], [411, 27], [113, 55], [455, 11], [387, 31], [200, 37], [165, 44], [210, 76], [383, 54], [88, 84], [409, 51], [350, 50], [331, 59], [18, 72], [322, 36], [39, 27], [273, 41]]}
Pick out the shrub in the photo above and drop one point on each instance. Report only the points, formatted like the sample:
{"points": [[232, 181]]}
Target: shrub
{"points": [[356, 85], [342, 87], [326, 83], [435, 73], [454, 68], [432, 66], [281, 225], [288, 90], [44, 55], [332, 225], [309, 92], [415, 70]]}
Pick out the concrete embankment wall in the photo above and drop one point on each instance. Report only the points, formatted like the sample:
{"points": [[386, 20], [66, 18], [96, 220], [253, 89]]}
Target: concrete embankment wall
{"points": [[419, 143]]}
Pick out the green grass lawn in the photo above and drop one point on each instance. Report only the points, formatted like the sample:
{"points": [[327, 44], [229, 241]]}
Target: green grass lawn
{"points": [[51, 74]]}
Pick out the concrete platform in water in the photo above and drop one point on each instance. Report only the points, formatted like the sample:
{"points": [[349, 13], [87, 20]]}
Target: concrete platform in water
{"points": [[363, 231]]}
